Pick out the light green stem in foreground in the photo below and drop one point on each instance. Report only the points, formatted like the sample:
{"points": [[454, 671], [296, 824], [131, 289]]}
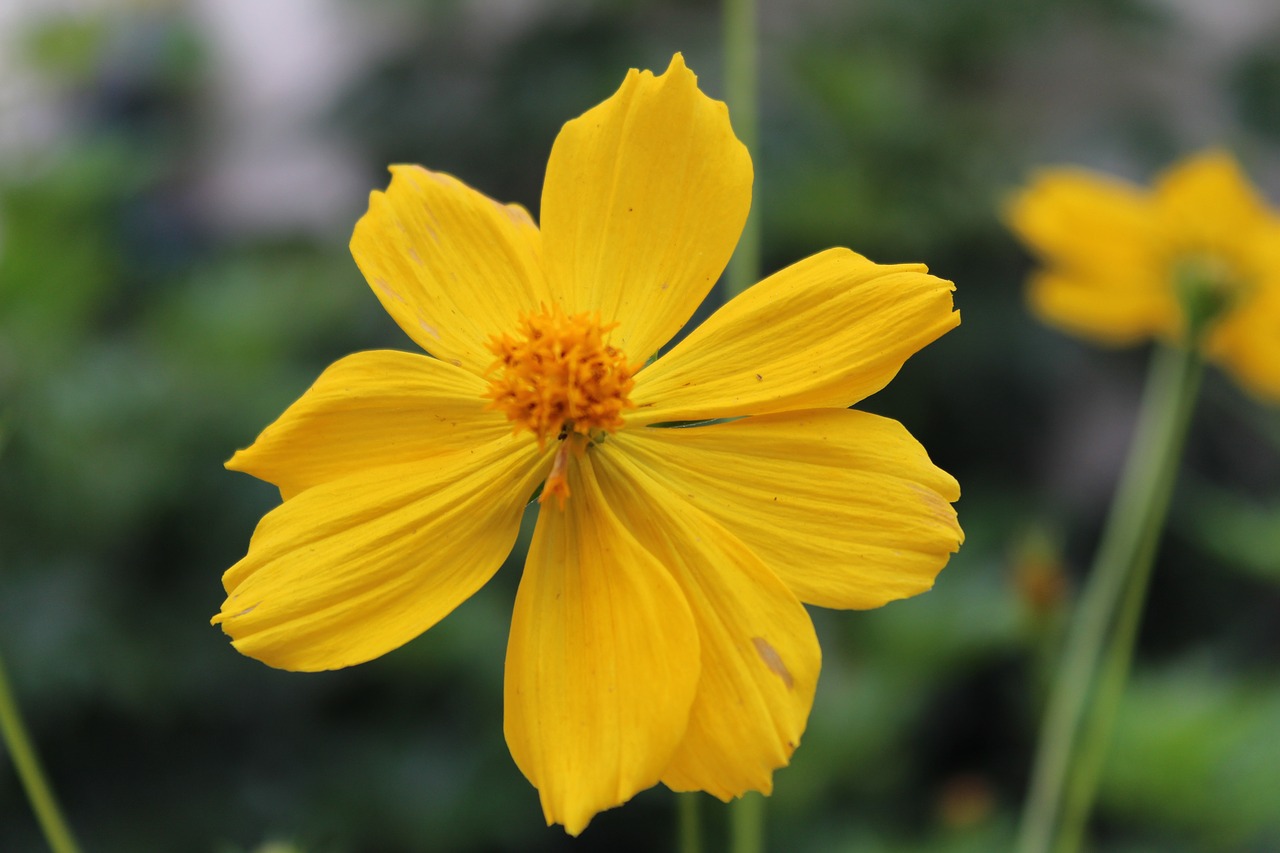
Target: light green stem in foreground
{"points": [[741, 94], [1070, 753], [690, 819], [25, 761]]}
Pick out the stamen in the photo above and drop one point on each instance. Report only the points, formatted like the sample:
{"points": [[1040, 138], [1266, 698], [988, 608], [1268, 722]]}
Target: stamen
{"points": [[557, 373], [558, 480], [559, 378]]}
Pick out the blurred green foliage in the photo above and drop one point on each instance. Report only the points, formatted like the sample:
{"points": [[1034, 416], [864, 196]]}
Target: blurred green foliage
{"points": [[141, 343]]}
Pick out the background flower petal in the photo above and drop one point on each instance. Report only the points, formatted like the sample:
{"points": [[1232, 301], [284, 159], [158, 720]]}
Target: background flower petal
{"points": [[602, 663], [1088, 223], [369, 410], [1247, 341], [760, 656], [353, 568], [1208, 202], [826, 331], [1104, 308], [451, 265], [844, 506], [644, 201]]}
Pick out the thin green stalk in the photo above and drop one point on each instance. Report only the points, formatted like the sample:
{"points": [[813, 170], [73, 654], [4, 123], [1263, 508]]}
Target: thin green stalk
{"points": [[1061, 789], [746, 824], [14, 733], [1181, 371], [690, 822], [741, 94]]}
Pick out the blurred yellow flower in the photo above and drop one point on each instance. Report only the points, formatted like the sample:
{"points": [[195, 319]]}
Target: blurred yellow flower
{"points": [[659, 633], [1198, 251]]}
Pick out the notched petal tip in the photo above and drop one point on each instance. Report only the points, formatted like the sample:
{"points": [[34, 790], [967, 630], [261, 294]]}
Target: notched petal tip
{"points": [[451, 265], [680, 73], [677, 72], [825, 332], [627, 185], [238, 460], [602, 666]]}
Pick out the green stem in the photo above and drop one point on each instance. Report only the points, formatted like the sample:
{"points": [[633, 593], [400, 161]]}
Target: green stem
{"points": [[690, 819], [1064, 777], [741, 94], [25, 761], [746, 824], [1181, 375]]}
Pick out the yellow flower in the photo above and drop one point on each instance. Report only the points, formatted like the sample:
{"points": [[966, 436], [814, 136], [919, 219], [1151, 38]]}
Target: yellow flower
{"points": [[1196, 256], [659, 633]]}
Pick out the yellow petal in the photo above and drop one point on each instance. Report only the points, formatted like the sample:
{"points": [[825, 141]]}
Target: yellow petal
{"points": [[353, 568], [845, 507], [450, 265], [370, 410], [1247, 341], [1088, 223], [1208, 203], [602, 663], [760, 657], [827, 331], [1106, 309], [1211, 208], [644, 200]]}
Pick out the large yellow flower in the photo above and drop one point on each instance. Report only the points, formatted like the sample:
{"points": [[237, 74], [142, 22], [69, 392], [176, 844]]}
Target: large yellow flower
{"points": [[659, 632], [1123, 264]]}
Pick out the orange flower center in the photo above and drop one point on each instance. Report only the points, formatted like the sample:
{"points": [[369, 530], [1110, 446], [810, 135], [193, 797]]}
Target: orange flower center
{"points": [[559, 378]]}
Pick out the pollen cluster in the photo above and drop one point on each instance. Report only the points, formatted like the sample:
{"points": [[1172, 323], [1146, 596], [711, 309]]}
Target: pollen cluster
{"points": [[557, 375]]}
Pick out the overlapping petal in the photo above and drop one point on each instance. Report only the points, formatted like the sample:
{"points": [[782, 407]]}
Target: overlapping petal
{"points": [[760, 656], [602, 664], [644, 201], [370, 410], [844, 506], [449, 264], [353, 568], [826, 331]]}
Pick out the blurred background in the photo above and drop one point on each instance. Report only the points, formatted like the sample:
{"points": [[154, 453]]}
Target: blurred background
{"points": [[178, 182]]}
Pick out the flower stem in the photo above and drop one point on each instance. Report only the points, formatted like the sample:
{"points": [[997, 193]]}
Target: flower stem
{"points": [[1082, 704], [14, 734], [746, 824], [690, 822], [741, 94]]}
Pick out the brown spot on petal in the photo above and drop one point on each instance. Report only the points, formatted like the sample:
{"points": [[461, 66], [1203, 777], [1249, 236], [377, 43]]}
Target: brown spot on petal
{"points": [[773, 660], [385, 286]]}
